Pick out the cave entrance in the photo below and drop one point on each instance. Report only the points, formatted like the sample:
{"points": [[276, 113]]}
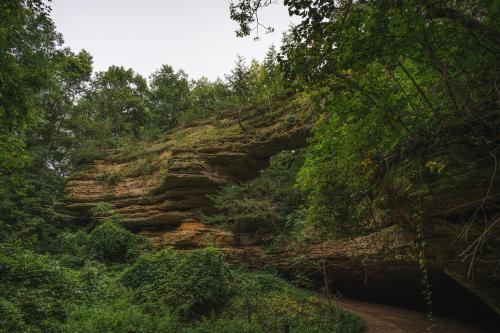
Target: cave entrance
{"points": [[404, 289]]}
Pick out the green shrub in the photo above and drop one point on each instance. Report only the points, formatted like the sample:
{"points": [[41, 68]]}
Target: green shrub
{"points": [[111, 242], [192, 283], [11, 319], [148, 268], [199, 282], [99, 282], [92, 150], [268, 304], [262, 302], [102, 208], [110, 178], [261, 205], [25, 268], [72, 242], [225, 325], [116, 317], [37, 286], [71, 248]]}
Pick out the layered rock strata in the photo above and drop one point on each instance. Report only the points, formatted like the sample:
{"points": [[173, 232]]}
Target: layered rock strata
{"points": [[167, 183], [380, 267]]}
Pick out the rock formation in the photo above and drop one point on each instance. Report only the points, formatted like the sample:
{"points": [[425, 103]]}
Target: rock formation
{"points": [[161, 191], [167, 183]]}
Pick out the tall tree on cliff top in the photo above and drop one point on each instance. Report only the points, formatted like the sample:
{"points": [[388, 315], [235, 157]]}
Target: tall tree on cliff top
{"points": [[118, 101], [238, 81], [169, 96]]}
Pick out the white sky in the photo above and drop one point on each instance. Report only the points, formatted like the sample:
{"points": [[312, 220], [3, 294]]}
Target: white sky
{"points": [[194, 35]]}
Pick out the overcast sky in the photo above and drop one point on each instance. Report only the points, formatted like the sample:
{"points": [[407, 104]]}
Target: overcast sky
{"points": [[195, 35]]}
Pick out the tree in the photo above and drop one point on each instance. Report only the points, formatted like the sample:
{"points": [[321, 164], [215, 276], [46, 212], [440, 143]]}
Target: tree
{"points": [[273, 76], [28, 42], [246, 12], [170, 96], [205, 98], [399, 80], [119, 97], [238, 81], [51, 140], [339, 36]]}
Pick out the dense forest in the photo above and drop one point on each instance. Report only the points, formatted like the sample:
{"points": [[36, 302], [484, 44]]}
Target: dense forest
{"points": [[399, 104]]}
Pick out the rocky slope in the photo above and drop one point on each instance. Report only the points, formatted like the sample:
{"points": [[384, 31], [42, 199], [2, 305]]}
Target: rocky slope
{"points": [[160, 186]]}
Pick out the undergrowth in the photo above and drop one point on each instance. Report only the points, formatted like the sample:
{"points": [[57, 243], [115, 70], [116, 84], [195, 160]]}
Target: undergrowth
{"points": [[93, 283]]}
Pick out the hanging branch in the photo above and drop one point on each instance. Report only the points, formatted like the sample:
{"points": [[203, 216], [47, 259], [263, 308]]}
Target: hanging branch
{"points": [[455, 92], [455, 16], [409, 101], [246, 12], [417, 86]]}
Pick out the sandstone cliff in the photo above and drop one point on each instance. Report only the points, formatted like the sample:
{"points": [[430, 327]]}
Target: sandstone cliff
{"points": [[167, 183], [161, 191]]}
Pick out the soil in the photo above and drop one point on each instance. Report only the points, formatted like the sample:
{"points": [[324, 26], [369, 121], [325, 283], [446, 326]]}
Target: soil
{"points": [[390, 319]]}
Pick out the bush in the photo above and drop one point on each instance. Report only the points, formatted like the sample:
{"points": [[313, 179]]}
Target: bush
{"points": [[71, 248], [200, 281], [273, 303], [117, 316], [262, 302], [192, 283], [90, 151], [40, 295], [102, 208], [25, 268], [11, 319], [261, 205], [35, 287], [111, 242], [148, 268], [99, 282], [72, 242], [226, 325]]}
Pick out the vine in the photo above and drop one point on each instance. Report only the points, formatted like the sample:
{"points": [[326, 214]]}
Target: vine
{"points": [[422, 262]]}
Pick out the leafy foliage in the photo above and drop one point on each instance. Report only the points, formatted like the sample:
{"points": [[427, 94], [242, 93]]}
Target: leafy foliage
{"points": [[111, 242], [169, 96], [12, 320], [407, 97], [34, 289], [263, 204], [29, 61], [206, 99], [262, 302], [28, 40], [397, 83], [191, 284], [116, 316]]}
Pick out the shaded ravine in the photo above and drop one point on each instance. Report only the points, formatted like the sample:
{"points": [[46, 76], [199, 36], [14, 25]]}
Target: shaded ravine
{"points": [[381, 318]]}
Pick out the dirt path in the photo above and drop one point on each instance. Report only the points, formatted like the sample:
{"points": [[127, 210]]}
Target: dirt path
{"points": [[389, 319]]}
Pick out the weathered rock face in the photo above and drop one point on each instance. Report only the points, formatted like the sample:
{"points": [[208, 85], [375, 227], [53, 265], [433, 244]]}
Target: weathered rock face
{"points": [[167, 183], [161, 190], [381, 267]]}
